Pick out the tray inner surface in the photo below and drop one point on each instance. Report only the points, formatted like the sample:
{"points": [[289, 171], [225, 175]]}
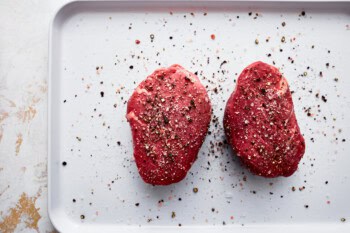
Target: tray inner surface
{"points": [[94, 51]]}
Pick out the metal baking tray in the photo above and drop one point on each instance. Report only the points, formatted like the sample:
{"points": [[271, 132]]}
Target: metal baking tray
{"points": [[95, 64]]}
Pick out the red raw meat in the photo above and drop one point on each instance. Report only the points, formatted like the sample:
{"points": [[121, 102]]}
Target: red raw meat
{"points": [[260, 123], [169, 114]]}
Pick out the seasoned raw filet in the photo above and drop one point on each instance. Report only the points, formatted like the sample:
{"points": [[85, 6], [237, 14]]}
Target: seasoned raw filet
{"points": [[260, 123], [169, 114]]}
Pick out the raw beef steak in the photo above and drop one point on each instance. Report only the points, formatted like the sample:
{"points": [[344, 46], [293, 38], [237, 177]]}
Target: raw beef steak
{"points": [[169, 114], [260, 123]]}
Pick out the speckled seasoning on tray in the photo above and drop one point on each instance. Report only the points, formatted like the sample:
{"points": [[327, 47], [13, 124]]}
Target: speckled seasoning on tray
{"points": [[216, 190]]}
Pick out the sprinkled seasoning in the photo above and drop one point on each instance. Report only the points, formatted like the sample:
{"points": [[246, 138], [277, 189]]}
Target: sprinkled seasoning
{"points": [[212, 36], [166, 120], [82, 217], [214, 150], [261, 88], [175, 113], [173, 214]]}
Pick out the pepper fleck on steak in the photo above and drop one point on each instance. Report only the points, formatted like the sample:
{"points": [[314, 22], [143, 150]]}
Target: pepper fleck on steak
{"points": [[260, 123], [169, 115]]}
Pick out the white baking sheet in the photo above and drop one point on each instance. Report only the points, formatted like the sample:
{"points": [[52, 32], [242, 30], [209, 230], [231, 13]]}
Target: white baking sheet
{"points": [[92, 49]]}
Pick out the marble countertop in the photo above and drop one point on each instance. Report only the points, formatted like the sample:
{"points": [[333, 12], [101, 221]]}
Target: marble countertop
{"points": [[24, 31]]}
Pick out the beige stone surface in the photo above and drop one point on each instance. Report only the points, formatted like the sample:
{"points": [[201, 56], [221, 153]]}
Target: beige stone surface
{"points": [[24, 33]]}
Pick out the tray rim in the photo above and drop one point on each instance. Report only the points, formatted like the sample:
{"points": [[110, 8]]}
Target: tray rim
{"points": [[54, 215]]}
